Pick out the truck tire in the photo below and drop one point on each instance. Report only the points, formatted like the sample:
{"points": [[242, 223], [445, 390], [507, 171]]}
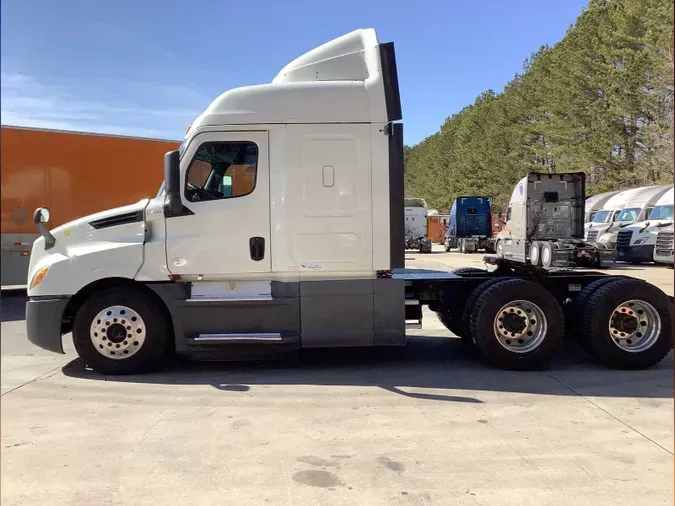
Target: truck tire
{"points": [[468, 270], [517, 324], [456, 321], [499, 248], [546, 254], [120, 331], [462, 246], [535, 253], [446, 244], [471, 302], [427, 245], [578, 309], [628, 324]]}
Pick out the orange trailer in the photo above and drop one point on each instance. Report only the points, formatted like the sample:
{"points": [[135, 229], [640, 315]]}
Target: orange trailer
{"points": [[74, 174]]}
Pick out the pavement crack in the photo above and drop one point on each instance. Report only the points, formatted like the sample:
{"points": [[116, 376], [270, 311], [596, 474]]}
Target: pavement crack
{"points": [[627, 425], [46, 375]]}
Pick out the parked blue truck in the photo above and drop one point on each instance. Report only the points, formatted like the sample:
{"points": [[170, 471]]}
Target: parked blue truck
{"points": [[470, 225]]}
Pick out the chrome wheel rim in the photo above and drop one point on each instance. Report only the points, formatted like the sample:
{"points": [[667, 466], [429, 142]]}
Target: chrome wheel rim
{"points": [[534, 254], [117, 332], [520, 326], [500, 250], [634, 326]]}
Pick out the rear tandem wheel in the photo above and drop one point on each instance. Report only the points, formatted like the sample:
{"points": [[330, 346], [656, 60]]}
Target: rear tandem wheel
{"points": [[516, 324]]}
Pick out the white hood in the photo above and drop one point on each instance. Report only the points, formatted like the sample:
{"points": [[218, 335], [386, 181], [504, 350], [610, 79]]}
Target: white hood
{"points": [[106, 244]]}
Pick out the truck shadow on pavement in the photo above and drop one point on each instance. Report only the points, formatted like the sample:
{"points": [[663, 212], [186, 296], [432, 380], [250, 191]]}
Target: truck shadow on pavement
{"points": [[425, 364]]}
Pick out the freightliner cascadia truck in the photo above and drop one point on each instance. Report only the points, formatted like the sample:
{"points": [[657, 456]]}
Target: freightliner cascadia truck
{"points": [[280, 226]]}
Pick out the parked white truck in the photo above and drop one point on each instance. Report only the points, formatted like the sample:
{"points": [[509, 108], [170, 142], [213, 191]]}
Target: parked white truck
{"points": [[416, 230], [280, 226], [595, 203], [635, 243], [637, 208], [664, 249], [606, 217]]}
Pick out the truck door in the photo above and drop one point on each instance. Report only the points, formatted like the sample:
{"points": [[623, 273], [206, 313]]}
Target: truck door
{"points": [[225, 227]]}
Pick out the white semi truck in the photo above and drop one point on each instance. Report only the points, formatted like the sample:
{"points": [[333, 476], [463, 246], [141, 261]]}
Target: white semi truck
{"points": [[416, 229], [280, 226], [606, 218], [664, 251], [637, 208], [596, 203], [635, 243], [545, 223]]}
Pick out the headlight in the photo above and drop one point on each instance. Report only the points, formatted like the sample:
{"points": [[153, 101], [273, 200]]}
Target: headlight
{"points": [[641, 240], [37, 279]]}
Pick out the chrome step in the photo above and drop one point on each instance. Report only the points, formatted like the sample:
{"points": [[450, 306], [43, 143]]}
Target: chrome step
{"points": [[412, 302], [257, 337], [247, 298]]}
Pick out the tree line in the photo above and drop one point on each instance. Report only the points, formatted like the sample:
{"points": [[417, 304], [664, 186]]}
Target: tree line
{"points": [[598, 101]]}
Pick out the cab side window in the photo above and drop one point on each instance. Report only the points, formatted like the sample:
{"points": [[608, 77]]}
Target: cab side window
{"points": [[222, 170], [508, 214]]}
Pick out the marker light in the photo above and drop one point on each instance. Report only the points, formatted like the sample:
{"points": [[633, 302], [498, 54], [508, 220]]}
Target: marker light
{"points": [[37, 279]]}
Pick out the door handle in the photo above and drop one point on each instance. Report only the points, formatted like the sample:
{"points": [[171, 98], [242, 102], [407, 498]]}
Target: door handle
{"points": [[257, 248]]}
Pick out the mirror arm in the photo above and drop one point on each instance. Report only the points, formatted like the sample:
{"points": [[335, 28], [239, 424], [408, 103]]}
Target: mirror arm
{"points": [[50, 240], [40, 221]]}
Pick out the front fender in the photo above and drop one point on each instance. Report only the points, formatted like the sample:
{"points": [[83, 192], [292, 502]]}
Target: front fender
{"points": [[84, 265]]}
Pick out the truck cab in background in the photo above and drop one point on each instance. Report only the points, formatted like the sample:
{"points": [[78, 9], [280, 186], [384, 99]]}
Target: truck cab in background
{"points": [[416, 232], [544, 223], [635, 243], [594, 204], [470, 225]]}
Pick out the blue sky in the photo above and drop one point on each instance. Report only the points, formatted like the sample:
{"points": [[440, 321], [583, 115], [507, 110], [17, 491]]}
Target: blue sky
{"points": [[149, 67]]}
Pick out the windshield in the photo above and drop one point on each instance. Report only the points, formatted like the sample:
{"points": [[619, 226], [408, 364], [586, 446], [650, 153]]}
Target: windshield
{"points": [[601, 216], [162, 187], [629, 214], [662, 213]]}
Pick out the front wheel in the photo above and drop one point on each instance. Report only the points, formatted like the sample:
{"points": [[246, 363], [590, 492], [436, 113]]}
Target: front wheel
{"points": [[120, 331], [500, 249]]}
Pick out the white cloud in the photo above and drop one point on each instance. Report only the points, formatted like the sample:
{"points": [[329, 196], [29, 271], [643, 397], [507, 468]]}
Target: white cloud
{"points": [[28, 102]]}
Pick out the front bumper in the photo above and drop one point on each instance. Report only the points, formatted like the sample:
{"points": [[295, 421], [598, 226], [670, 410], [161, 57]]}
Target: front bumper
{"points": [[637, 253], [43, 322]]}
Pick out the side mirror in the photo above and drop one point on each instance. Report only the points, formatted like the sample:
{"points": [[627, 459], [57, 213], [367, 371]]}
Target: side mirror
{"points": [[41, 215], [172, 183]]}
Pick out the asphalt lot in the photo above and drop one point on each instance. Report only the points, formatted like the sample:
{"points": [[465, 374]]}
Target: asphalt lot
{"points": [[428, 424]]}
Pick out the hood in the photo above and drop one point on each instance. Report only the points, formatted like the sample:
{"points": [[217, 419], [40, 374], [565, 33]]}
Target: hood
{"points": [[115, 217], [649, 226], [120, 225]]}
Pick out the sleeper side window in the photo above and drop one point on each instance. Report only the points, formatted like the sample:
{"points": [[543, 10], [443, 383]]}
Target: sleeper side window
{"points": [[222, 170]]}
